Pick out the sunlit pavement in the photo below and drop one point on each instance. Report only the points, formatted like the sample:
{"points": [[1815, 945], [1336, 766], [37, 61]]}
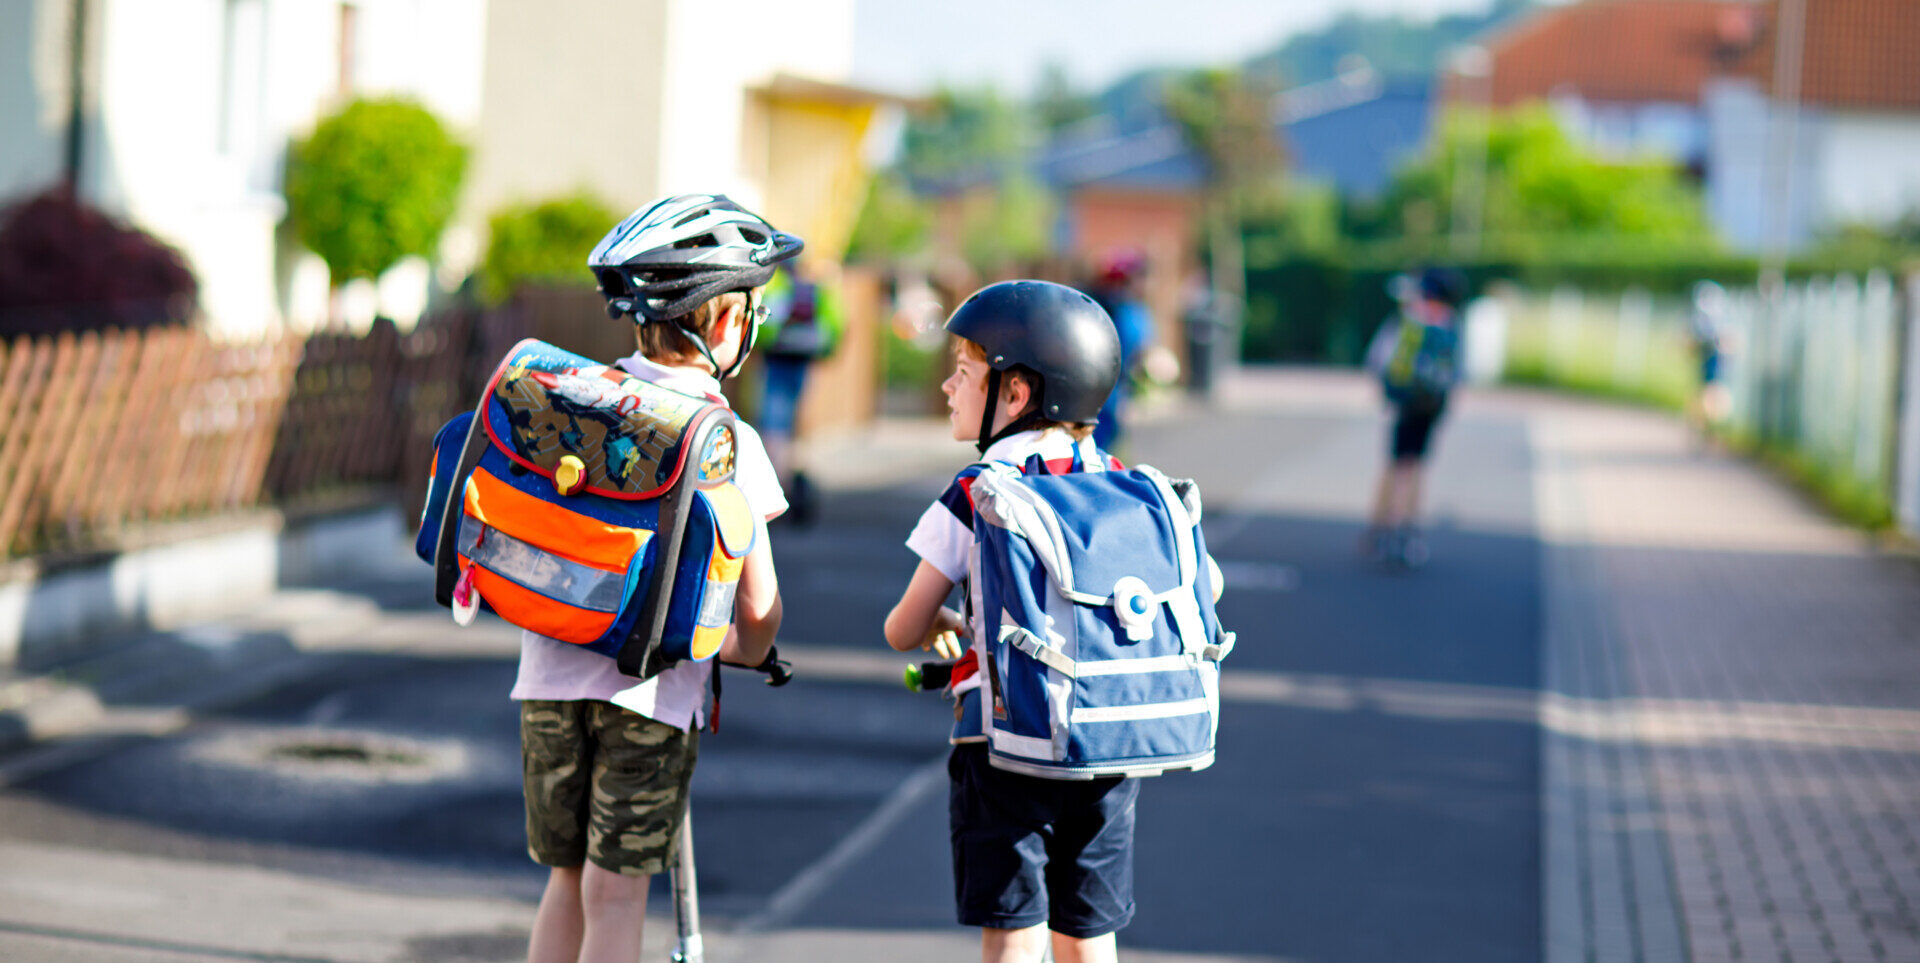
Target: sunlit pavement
{"points": [[1644, 704]]}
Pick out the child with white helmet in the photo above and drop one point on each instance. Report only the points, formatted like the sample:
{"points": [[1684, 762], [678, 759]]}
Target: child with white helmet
{"points": [[607, 762]]}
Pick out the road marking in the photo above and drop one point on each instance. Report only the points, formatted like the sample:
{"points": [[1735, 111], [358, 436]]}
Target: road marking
{"points": [[1241, 576], [785, 906]]}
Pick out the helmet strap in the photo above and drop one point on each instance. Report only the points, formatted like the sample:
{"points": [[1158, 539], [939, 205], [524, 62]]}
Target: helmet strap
{"points": [[705, 352], [988, 436], [747, 327]]}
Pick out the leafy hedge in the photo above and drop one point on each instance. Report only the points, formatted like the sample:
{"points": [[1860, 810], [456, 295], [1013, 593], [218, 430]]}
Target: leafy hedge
{"points": [[1321, 307], [67, 266], [543, 242]]}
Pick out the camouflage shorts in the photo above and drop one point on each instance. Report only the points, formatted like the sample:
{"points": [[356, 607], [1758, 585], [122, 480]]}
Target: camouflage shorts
{"points": [[603, 783]]}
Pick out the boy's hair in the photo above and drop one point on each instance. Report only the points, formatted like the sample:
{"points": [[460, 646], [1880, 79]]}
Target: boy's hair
{"points": [[664, 343], [972, 349]]}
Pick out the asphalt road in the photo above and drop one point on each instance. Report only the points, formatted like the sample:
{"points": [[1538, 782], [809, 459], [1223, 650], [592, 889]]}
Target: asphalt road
{"points": [[1375, 796]]}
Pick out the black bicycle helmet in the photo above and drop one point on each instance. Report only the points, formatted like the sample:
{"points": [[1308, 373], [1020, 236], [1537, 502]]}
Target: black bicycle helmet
{"points": [[1445, 285], [1061, 335], [675, 254]]}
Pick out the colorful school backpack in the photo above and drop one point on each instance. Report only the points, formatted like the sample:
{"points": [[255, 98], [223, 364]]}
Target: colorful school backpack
{"points": [[590, 506], [1092, 599], [806, 324], [1424, 365]]}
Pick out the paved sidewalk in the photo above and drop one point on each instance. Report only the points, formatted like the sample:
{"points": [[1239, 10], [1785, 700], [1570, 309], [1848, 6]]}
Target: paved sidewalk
{"points": [[1733, 703]]}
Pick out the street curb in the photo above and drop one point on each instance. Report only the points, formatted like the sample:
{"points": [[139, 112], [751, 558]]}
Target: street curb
{"points": [[48, 618]]}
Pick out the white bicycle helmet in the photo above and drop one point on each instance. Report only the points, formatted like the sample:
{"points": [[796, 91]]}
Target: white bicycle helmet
{"points": [[675, 254]]}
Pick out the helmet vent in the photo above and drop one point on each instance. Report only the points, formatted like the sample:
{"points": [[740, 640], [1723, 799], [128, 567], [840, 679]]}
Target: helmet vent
{"points": [[690, 217], [753, 236], [704, 240]]}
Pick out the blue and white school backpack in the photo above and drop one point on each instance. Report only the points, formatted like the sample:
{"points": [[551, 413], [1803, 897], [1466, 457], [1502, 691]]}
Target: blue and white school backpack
{"points": [[590, 506], [1424, 364], [1092, 599]]}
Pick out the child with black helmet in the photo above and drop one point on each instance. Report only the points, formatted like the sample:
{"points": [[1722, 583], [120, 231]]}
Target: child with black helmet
{"points": [[607, 762], [1034, 859]]}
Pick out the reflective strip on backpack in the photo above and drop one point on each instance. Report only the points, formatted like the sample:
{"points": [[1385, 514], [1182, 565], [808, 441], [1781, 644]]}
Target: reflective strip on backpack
{"points": [[538, 570], [1026, 747], [1155, 710]]}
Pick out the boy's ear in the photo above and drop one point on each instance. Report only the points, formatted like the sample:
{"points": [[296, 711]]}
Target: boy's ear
{"points": [[1018, 392]]}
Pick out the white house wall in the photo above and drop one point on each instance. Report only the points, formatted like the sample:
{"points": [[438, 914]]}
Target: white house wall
{"points": [[1746, 200], [191, 105], [1869, 168], [706, 93], [632, 99], [567, 102]]}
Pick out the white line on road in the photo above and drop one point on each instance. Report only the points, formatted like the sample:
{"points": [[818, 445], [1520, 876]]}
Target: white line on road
{"points": [[785, 906]]}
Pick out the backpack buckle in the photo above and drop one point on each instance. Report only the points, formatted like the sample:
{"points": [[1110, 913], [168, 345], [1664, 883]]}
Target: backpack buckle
{"points": [[1134, 606]]}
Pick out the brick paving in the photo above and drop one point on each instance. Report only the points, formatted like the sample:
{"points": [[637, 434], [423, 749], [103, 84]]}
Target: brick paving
{"points": [[1734, 773]]}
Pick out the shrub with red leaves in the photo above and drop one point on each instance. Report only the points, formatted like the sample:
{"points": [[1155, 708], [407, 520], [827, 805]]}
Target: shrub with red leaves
{"points": [[66, 266]]}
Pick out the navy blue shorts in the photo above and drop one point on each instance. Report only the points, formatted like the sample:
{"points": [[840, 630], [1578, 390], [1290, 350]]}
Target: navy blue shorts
{"points": [[1028, 851], [1413, 430]]}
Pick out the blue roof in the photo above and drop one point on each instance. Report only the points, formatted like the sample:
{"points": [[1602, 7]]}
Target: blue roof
{"points": [[1355, 141], [1153, 158], [1350, 133]]}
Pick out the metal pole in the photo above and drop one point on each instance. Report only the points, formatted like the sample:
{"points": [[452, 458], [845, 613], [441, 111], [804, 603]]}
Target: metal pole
{"points": [[1474, 67], [73, 162], [1783, 142], [686, 896]]}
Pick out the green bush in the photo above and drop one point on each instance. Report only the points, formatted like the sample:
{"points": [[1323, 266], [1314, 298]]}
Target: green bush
{"points": [[542, 242], [374, 183]]}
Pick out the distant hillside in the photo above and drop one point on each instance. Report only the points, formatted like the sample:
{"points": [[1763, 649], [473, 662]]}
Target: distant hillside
{"points": [[1396, 47]]}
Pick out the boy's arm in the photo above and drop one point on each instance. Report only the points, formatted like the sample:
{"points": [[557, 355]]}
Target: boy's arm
{"points": [[918, 620], [756, 605]]}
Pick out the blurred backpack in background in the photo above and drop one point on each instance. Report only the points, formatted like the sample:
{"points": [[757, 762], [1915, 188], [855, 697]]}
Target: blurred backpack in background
{"points": [[1424, 365]]}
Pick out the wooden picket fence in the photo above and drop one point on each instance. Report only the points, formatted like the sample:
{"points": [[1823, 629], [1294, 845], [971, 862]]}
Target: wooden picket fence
{"points": [[104, 433]]}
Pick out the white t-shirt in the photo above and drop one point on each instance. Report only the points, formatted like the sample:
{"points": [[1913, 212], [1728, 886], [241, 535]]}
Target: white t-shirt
{"points": [[555, 670], [944, 534], [943, 537]]}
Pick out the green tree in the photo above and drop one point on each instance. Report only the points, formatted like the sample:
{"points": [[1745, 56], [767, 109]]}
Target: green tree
{"points": [[1537, 183], [374, 183], [542, 242], [975, 143], [1011, 227], [963, 132], [1057, 104], [1224, 116], [893, 222]]}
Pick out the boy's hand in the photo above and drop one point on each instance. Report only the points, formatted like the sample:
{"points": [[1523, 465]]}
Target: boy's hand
{"points": [[943, 638]]}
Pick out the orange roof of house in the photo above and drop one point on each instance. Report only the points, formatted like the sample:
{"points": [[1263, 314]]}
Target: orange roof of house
{"points": [[1858, 53]]}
